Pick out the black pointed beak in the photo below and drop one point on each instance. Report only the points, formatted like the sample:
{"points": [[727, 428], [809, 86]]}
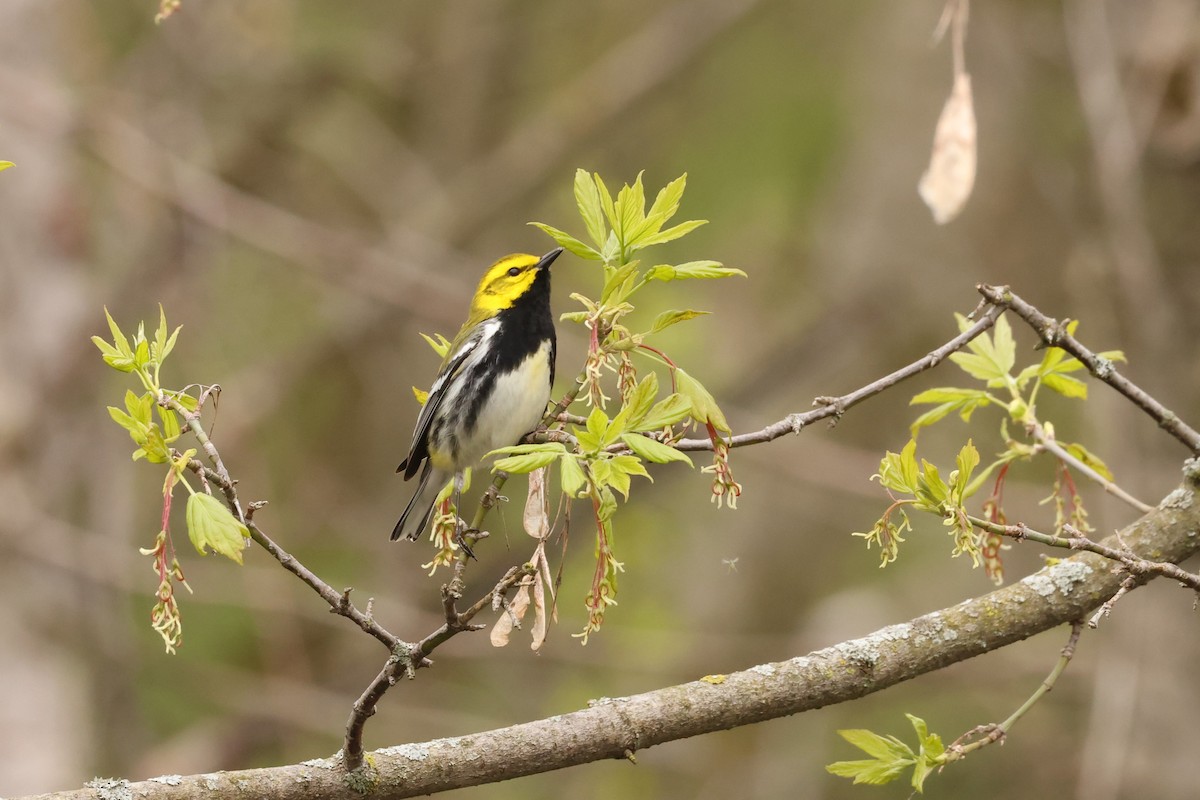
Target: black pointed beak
{"points": [[548, 259]]}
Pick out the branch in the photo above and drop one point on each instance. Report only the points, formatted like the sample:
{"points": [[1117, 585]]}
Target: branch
{"points": [[1052, 446], [406, 658], [1075, 540], [339, 602], [996, 299], [1053, 333], [990, 734], [615, 728], [835, 407]]}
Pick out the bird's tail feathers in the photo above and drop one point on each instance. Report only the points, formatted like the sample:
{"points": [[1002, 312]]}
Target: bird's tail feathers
{"points": [[415, 518]]}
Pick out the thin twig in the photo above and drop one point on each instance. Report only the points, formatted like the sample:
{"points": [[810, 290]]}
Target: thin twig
{"points": [[958, 36], [834, 407], [406, 658], [1075, 540], [1054, 334], [431, 642], [192, 420], [996, 733], [402, 661], [1050, 444], [339, 602], [1129, 583]]}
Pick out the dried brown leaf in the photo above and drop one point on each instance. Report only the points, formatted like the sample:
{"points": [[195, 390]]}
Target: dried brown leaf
{"points": [[946, 185], [543, 565], [538, 631], [537, 512], [511, 617]]}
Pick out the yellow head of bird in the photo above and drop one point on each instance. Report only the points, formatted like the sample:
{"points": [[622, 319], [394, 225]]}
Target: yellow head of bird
{"points": [[506, 280]]}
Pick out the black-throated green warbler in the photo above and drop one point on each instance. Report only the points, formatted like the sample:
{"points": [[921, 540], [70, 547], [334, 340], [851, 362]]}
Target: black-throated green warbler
{"points": [[493, 385]]}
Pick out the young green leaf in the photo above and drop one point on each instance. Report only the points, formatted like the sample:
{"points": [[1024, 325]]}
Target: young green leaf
{"points": [[704, 406], [5, 165], [1054, 359], [631, 465], [890, 757], [872, 772], [666, 203], [608, 505], [964, 401], [609, 209], [164, 342], [931, 416], [112, 356], [1091, 459], [587, 197], [616, 478], [933, 490], [211, 525], [618, 284], [1065, 385], [991, 358], [622, 468], [170, 424], [652, 450], [186, 400], [980, 367], [119, 340], [949, 394], [597, 425], [1004, 349], [439, 343], [525, 462], [640, 401], [898, 471], [611, 251], [930, 755], [908, 465], [141, 353], [139, 406], [668, 411], [1074, 364], [166, 351], [573, 478], [160, 336], [692, 269], [671, 234], [966, 462], [136, 428], [591, 438], [1016, 451], [630, 209], [154, 447], [601, 471], [568, 241], [526, 449], [668, 318]]}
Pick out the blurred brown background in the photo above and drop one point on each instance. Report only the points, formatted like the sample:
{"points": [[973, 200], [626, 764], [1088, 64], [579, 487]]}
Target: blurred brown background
{"points": [[306, 185]]}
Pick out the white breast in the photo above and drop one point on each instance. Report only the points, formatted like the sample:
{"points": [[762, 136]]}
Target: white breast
{"points": [[516, 406]]}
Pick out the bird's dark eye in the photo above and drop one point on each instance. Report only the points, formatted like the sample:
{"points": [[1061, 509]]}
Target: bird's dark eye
{"points": [[514, 271]]}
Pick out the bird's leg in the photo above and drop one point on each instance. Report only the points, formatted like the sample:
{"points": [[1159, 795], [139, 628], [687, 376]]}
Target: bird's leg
{"points": [[458, 488], [460, 524]]}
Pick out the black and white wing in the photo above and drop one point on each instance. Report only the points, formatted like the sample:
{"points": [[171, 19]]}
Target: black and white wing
{"points": [[451, 369]]}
